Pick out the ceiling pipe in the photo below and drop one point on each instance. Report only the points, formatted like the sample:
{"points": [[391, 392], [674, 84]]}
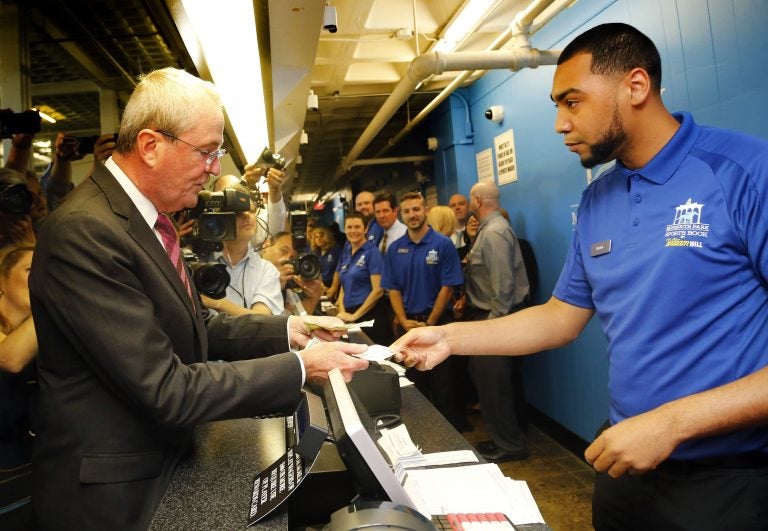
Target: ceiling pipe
{"points": [[519, 30], [391, 160], [436, 63]]}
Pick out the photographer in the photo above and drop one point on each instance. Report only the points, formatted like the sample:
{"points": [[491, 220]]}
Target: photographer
{"points": [[280, 251], [56, 181], [254, 285]]}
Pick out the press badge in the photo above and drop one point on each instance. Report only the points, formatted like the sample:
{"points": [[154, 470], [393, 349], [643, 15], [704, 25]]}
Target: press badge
{"points": [[600, 248]]}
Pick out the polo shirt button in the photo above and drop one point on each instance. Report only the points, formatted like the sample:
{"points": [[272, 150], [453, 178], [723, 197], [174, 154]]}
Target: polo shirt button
{"points": [[635, 177], [637, 198], [635, 222]]}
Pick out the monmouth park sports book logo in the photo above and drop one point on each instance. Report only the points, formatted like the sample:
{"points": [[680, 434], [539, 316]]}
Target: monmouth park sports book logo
{"points": [[687, 229]]}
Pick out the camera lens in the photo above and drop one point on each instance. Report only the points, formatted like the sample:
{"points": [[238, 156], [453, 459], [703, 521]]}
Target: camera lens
{"points": [[308, 267], [211, 279], [15, 199]]}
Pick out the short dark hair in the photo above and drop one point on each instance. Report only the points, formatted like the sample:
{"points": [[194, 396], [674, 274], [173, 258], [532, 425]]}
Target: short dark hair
{"points": [[411, 195], [386, 196], [616, 48]]}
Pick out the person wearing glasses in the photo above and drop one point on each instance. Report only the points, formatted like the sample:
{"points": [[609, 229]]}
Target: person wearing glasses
{"points": [[124, 343]]}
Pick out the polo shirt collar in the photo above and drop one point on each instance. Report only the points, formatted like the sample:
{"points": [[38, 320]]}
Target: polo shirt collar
{"points": [[426, 239], [665, 163]]}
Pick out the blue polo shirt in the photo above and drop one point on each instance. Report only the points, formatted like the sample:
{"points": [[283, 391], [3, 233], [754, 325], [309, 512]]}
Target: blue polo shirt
{"points": [[674, 259], [419, 270], [355, 270], [328, 263], [374, 232]]}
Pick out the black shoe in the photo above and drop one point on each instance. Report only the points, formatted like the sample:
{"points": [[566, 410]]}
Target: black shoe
{"points": [[485, 446], [493, 454]]}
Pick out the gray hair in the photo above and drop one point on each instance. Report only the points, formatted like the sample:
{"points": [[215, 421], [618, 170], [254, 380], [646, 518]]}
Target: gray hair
{"points": [[168, 99]]}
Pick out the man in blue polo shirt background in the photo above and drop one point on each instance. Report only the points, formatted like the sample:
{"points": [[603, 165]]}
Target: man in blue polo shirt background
{"points": [[421, 271], [671, 252]]}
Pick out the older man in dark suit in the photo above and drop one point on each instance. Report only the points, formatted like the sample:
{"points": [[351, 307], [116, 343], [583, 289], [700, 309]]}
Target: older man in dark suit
{"points": [[124, 344]]}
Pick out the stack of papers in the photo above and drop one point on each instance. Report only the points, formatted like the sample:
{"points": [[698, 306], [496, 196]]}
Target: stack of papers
{"points": [[397, 444], [471, 489]]}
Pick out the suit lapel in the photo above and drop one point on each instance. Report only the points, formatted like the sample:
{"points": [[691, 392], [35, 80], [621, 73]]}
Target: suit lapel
{"points": [[138, 229]]}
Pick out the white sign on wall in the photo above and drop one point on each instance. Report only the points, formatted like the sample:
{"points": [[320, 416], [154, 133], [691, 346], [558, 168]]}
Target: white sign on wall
{"points": [[484, 161], [506, 162]]}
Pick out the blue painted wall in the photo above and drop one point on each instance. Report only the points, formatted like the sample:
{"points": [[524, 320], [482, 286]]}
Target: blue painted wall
{"points": [[712, 66]]}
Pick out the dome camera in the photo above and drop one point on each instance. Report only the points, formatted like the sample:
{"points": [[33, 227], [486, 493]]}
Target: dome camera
{"points": [[495, 113], [329, 19]]}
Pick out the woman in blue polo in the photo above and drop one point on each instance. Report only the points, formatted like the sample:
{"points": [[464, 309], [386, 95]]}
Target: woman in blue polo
{"points": [[360, 268]]}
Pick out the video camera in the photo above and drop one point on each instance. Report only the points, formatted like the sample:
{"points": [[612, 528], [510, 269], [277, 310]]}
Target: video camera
{"points": [[211, 279], [306, 265], [216, 219], [12, 123]]}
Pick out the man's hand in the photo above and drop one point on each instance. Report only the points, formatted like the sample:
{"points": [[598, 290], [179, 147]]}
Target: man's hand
{"points": [[410, 324], [103, 148], [325, 328], [423, 348], [346, 316], [66, 148], [321, 358], [252, 175], [275, 180], [635, 445]]}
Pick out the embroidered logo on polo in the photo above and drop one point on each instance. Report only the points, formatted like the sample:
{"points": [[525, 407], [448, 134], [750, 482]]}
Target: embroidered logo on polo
{"points": [[687, 229], [361, 261], [432, 257]]}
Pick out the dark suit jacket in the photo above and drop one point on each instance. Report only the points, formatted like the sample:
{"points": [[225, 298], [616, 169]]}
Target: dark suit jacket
{"points": [[123, 368]]}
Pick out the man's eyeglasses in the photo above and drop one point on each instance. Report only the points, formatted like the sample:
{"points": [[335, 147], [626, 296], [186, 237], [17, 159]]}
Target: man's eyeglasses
{"points": [[210, 156]]}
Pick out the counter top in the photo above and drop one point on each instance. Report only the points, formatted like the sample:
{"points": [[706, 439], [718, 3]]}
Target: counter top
{"points": [[211, 487]]}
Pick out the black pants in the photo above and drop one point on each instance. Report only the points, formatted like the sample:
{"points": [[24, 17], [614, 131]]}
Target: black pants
{"points": [[381, 331], [685, 495], [494, 378]]}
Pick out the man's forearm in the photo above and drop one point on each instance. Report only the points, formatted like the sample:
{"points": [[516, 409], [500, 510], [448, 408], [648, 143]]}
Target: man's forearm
{"points": [[441, 303]]}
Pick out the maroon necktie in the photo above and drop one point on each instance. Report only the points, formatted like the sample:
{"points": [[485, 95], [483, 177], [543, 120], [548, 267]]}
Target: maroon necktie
{"points": [[165, 227]]}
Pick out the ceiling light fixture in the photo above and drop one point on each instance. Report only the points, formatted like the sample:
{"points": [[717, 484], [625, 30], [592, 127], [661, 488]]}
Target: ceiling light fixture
{"points": [[304, 138], [240, 88], [463, 24]]}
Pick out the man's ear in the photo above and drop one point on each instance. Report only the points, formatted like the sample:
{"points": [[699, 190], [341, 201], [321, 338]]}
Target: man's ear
{"points": [[639, 84], [147, 147]]}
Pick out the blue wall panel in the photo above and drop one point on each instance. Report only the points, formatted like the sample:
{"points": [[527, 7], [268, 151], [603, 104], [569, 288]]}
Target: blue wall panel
{"points": [[712, 66]]}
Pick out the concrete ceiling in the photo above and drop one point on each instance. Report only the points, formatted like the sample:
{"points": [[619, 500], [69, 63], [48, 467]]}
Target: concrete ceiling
{"points": [[78, 48]]}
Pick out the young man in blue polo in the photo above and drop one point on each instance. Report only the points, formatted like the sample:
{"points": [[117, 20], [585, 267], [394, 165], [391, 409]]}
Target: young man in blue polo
{"points": [[671, 252], [421, 271]]}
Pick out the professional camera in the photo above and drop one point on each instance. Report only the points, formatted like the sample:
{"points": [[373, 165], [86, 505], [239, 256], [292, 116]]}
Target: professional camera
{"points": [[268, 159], [211, 279], [216, 216], [306, 265], [12, 123], [15, 199]]}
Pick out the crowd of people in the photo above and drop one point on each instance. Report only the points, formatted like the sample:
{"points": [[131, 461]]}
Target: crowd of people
{"points": [[110, 409]]}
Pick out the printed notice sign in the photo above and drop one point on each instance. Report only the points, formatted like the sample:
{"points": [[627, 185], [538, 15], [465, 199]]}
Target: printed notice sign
{"points": [[274, 484], [484, 161], [506, 161]]}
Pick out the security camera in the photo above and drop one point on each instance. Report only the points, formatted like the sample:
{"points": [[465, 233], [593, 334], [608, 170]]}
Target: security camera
{"points": [[495, 113], [329, 19]]}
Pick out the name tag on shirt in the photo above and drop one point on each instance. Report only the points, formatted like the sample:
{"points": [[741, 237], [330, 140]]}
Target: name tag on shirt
{"points": [[600, 248], [403, 250]]}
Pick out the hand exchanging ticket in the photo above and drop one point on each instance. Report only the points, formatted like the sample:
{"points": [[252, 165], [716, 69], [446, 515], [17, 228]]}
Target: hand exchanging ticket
{"points": [[376, 353]]}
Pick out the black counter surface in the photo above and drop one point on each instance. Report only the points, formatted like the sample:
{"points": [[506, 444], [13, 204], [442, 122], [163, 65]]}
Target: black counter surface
{"points": [[211, 488]]}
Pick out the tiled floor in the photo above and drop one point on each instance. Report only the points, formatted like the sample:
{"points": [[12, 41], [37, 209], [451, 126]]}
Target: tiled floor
{"points": [[561, 483]]}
